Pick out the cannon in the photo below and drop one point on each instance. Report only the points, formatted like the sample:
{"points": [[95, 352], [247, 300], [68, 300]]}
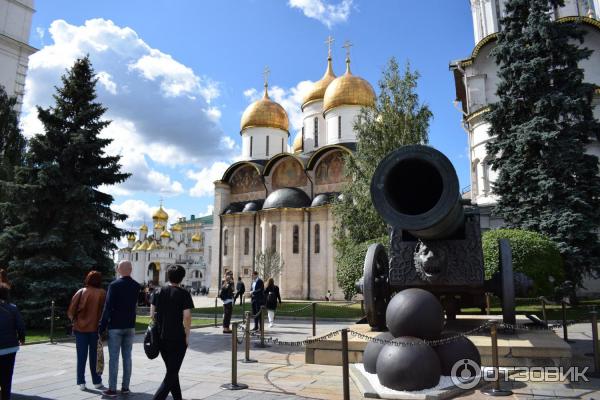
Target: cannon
{"points": [[435, 239]]}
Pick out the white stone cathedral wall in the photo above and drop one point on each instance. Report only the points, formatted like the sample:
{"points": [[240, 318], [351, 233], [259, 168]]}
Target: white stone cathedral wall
{"points": [[348, 114], [312, 110], [259, 142]]}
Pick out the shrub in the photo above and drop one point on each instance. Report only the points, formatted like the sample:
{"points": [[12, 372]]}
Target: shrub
{"points": [[533, 254]]}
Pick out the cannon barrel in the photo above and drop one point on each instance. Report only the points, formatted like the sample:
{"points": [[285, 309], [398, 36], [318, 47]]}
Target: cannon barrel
{"points": [[415, 188]]}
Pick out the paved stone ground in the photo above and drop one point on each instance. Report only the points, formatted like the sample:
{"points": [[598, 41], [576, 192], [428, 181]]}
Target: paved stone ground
{"points": [[45, 371]]}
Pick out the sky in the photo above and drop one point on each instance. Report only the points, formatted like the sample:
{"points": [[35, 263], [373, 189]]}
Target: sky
{"points": [[176, 76]]}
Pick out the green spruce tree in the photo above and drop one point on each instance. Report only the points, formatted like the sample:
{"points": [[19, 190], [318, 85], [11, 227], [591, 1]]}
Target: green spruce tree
{"points": [[12, 150], [542, 124], [67, 224], [397, 119]]}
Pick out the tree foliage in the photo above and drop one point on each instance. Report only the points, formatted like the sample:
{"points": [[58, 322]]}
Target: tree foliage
{"points": [[66, 225], [268, 263], [543, 123], [397, 119]]}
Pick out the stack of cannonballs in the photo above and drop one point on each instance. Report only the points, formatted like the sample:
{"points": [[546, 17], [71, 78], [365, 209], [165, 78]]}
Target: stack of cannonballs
{"points": [[414, 316]]}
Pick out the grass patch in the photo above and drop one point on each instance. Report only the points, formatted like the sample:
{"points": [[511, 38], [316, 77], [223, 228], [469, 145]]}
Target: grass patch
{"points": [[324, 310]]}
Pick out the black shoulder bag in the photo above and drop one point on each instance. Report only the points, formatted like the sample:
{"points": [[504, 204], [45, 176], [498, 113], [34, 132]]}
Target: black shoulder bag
{"points": [[152, 336]]}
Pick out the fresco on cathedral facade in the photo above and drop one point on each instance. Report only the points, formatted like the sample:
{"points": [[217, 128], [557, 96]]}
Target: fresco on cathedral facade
{"points": [[288, 173], [330, 169], [245, 180]]}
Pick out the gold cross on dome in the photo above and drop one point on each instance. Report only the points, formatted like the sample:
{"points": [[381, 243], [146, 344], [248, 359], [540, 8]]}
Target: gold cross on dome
{"points": [[329, 42], [266, 73], [347, 45]]}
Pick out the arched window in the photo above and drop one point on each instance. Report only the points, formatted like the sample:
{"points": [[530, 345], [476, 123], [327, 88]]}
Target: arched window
{"points": [[259, 237], [339, 126], [316, 131], [296, 239], [136, 256], [246, 241], [317, 238], [251, 145], [267, 145], [282, 145], [274, 237], [475, 184], [486, 169], [225, 241]]}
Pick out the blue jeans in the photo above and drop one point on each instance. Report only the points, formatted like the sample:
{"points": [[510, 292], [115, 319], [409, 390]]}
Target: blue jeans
{"points": [[86, 342], [119, 340]]}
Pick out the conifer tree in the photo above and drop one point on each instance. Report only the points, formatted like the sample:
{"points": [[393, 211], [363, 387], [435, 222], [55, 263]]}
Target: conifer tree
{"points": [[397, 119], [12, 149], [542, 124], [67, 225]]}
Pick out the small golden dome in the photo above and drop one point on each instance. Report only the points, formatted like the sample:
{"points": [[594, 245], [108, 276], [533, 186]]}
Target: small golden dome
{"points": [[317, 92], [144, 246], [176, 228], [265, 113], [158, 226], [144, 228], [298, 146], [348, 89], [165, 234], [160, 215], [131, 236], [196, 238]]}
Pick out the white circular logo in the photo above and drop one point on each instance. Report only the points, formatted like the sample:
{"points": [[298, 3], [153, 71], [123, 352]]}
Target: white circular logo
{"points": [[465, 374]]}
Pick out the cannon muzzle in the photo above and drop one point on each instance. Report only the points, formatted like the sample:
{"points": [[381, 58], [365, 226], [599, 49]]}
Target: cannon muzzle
{"points": [[415, 188]]}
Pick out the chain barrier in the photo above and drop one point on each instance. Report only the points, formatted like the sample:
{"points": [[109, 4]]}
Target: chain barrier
{"points": [[295, 311]]}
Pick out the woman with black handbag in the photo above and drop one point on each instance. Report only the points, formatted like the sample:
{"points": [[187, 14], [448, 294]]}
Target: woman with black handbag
{"points": [[174, 320], [12, 334]]}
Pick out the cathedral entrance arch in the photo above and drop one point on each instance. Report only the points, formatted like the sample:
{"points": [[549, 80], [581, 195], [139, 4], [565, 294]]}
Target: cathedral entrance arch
{"points": [[153, 270]]}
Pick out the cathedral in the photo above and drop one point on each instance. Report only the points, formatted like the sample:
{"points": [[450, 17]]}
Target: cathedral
{"points": [[476, 78], [182, 244], [279, 197]]}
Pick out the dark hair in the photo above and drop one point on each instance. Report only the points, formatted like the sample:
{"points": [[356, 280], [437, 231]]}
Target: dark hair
{"points": [[239, 278], [93, 279], [270, 283], [4, 291], [255, 273], [175, 273], [3, 276]]}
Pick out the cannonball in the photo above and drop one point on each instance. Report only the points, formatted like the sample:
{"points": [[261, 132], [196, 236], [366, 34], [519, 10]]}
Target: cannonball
{"points": [[372, 352], [454, 351], [412, 367], [415, 312]]}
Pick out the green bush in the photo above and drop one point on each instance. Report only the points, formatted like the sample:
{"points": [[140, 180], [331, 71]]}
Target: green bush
{"points": [[350, 261], [533, 254]]}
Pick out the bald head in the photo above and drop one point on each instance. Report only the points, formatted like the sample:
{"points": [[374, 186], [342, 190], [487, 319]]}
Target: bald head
{"points": [[124, 268]]}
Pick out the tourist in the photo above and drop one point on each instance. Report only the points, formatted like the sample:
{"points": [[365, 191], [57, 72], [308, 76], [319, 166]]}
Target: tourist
{"points": [[12, 334], [226, 295], [84, 312], [257, 296], [240, 289], [272, 296], [119, 317], [171, 309]]}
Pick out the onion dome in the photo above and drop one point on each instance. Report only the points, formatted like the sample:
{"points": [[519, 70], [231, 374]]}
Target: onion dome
{"points": [[287, 198], [144, 246], [160, 215], [298, 145], [176, 228], [158, 226], [144, 228], [348, 89], [265, 113], [317, 92], [165, 234], [196, 238], [131, 236]]}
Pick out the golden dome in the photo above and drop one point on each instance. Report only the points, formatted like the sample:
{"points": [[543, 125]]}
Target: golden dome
{"points": [[153, 246], [348, 89], [160, 215], [144, 246], [158, 226], [265, 113], [131, 236], [298, 146], [135, 246], [317, 92], [176, 228], [196, 238], [144, 228], [165, 234]]}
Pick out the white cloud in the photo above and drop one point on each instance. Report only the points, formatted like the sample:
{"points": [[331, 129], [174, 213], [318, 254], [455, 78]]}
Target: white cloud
{"points": [[164, 113], [322, 11], [205, 178]]}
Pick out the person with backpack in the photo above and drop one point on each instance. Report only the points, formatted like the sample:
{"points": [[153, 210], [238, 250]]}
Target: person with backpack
{"points": [[12, 334], [171, 309], [226, 295], [272, 296], [84, 312]]}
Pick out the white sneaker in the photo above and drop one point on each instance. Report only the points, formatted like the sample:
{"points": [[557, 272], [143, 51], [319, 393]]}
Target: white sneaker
{"points": [[82, 387], [270, 325], [99, 386]]}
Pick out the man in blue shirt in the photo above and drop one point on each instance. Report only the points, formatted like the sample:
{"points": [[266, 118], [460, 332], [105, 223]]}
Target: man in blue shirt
{"points": [[119, 316]]}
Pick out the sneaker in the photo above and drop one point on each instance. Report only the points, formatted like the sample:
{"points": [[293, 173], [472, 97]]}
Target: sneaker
{"points": [[125, 391], [99, 386], [227, 331], [271, 325], [109, 393], [254, 329], [82, 387]]}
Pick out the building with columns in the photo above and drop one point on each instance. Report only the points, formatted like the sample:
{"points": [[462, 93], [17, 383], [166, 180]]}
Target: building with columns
{"points": [[476, 79], [15, 26], [279, 196]]}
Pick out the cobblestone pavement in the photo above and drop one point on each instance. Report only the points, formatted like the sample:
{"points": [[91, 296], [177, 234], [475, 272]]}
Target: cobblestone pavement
{"points": [[47, 371]]}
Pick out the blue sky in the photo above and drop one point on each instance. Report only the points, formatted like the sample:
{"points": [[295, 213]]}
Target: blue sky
{"points": [[177, 75]]}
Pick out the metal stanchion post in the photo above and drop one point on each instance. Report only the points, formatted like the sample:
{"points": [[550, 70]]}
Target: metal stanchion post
{"points": [[52, 322], [243, 301], [314, 319], [362, 306], [216, 311], [488, 303], [345, 372], [594, 315], [262, 344], [495, 390], [544, 316], [234, 385], [564, 323], [248, 319]]}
